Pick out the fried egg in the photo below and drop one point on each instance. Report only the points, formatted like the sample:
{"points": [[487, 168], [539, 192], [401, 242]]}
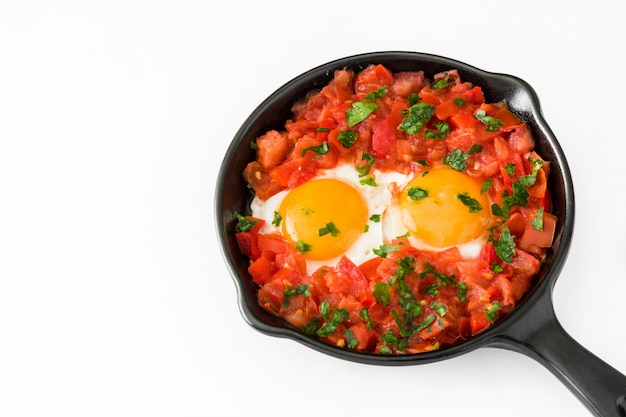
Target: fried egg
{"points": [[340, 213], [439, 209]]}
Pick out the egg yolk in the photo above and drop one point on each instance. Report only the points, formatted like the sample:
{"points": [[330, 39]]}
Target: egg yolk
{"points": [[323, 217], [445, 207]]}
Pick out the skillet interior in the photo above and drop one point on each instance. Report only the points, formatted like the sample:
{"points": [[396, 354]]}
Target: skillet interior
{"points": [[232, 194]]}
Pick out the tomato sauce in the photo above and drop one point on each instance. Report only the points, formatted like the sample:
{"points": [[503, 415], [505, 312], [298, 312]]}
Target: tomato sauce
{"points": [[407, 300]]}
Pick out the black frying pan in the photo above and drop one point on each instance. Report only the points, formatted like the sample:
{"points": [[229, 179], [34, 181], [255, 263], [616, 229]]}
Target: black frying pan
{"points": [[532, 328]]}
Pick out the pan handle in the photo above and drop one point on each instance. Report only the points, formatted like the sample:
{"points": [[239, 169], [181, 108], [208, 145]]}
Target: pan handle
{"points": [[540, 336]]}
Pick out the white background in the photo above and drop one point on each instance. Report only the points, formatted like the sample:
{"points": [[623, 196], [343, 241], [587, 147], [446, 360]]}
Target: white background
{"points": [[114, 118]]}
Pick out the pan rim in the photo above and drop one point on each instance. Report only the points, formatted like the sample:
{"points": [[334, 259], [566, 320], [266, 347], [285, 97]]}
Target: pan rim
{"points": [[542, 289]]}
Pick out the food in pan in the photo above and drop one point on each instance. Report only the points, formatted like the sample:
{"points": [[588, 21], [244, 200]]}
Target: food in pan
{"points": [[396, 214]]}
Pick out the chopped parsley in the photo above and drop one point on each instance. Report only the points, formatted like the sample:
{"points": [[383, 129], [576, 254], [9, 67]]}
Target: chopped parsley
{"points": [[338, 316], [443, 278], [365, 315], [441, 84], [303, 247], [432, 289], [537, 220], [443, 130], [457, 160], [347, 138], [475, 148], [301, 289], [369, 159], [361, 110], [417, 193], [324, 308], [430, 319], [244, 224], [491, 123], [368, 181], [413, 98], [505, 246], [384, 250], [378, 94], [474, 206], [460, 101], [416, 117], [405, 267], [486, 186], [320, 149], [510, 169], [277, 219], [351, 340], [439, 308], [461, 291], [537, 164], [518, 198], [375, 218], [492, 312], [312, 326], [381, 293], [329, 228], [389, 338]]}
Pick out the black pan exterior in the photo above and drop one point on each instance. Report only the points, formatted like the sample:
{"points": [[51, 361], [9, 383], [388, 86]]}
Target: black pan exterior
{"points": [[232, 194]]}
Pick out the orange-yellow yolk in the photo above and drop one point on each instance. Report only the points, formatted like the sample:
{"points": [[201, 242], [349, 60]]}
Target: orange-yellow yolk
{"points": [[327, 215], [445, 207]]}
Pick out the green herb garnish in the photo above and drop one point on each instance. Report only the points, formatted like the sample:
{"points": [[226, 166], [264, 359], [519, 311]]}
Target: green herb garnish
{"points": [[301, 289], [537, 220], [360, 110], [457, 160], [369, 159], [277, 219], [320, 149], [416, 117], [351, 340], [347, 138], [492, 312], [381, 293], [303, 247], [492, 124], [474, 206], [417, 193], [243, 223], [338, 316], [384, 250], [460, 101], [375, 218], [330, 228], [505, 246], [486, 186]]}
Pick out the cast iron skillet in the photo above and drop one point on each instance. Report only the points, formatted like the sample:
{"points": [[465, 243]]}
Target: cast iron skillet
{"points": [[532, 328]]}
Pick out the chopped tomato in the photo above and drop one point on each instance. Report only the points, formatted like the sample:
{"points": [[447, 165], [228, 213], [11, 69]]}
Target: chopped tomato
{"points": [[263, 268], [273, 147], [383, 139], [535, 239], [372, 78], [478, 322], [521, 139]]}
